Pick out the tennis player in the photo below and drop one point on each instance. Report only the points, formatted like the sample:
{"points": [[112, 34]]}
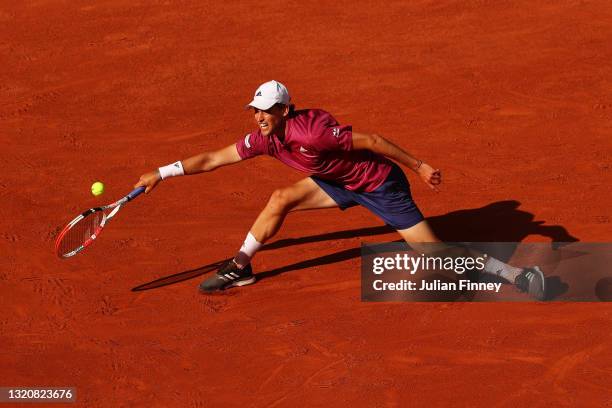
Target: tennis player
{"points": [[344, 168]]}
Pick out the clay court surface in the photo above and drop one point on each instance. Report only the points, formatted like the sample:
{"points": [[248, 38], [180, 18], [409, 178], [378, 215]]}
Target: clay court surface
{"points": [[510, 99]]}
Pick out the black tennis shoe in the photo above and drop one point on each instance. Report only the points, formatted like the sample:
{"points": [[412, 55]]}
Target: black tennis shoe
{"points": [[532, 281], [228, 276]]}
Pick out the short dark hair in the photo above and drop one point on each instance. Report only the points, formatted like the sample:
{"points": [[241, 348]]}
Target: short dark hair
{"points": [[291, 106]]}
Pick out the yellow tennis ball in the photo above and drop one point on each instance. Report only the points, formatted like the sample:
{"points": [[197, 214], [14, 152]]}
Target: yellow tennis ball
{"points": [[97, 188]]}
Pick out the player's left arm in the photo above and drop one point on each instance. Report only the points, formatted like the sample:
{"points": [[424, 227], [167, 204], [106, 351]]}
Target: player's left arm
{"points": [[378, 144]]}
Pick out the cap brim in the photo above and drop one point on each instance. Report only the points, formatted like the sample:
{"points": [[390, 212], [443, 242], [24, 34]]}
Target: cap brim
{"points": [[262, 104]]}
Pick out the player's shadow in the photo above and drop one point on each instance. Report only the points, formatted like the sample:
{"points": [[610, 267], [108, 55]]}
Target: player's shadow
{"points": [[501, 221]]}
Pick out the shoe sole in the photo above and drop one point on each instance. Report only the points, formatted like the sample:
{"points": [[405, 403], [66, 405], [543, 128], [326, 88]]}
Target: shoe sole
{"points": [[243, 282], [541, 276]]}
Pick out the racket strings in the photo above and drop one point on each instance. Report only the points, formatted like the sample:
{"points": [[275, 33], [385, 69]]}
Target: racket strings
{"points": [[81, 232]]}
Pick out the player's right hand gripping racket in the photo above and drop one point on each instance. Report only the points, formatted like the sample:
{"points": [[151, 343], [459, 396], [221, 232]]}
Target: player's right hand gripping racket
{"points": [[81, 232]]}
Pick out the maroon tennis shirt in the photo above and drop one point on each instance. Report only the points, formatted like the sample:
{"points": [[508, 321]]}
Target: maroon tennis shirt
{"points": [[318, 145]]}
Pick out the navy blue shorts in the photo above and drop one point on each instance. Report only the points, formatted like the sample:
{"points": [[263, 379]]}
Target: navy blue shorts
{"points": [[392, 201]]}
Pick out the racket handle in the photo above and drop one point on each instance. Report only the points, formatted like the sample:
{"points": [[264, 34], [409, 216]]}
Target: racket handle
{"points": [[135, 193]]}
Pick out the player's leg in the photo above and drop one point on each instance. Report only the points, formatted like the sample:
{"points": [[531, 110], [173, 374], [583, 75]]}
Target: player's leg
{"points": [[420, 232], [392, 202], [422, 239], [303, 195]]}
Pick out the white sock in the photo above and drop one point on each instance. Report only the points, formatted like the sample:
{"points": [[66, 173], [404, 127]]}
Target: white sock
{"points": [[247, 251], [498, 268]]}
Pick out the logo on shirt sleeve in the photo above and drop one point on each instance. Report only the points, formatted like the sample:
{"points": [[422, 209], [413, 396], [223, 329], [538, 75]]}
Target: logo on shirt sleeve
{"points": [[336, 132], [246, 141]]}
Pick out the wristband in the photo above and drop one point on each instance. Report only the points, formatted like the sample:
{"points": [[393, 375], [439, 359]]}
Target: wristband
{"points": [[418, 166], [171, 170]]}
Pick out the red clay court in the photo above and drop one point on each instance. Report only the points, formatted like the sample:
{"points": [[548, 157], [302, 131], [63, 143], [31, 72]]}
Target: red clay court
{"points": [[512, 100]]}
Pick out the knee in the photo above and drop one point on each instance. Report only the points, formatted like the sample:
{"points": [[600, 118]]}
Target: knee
{"points": [[280, 201]]}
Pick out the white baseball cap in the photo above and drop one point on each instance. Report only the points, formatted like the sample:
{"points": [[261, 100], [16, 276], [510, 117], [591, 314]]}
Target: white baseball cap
{"points": [[268, 94]]}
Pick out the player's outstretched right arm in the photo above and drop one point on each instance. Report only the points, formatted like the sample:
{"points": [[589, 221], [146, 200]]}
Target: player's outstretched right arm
{"points": [[207, 161]]}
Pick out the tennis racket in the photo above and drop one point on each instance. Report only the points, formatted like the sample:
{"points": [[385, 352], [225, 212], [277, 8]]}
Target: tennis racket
{"points": [[85, 228]]}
